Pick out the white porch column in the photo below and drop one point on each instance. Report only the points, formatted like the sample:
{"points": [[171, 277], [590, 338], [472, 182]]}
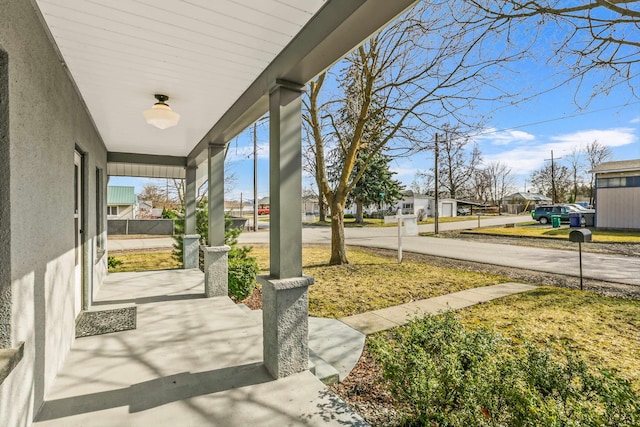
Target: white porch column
{"points": [[216, 252], [190, 240], [285, 302]]}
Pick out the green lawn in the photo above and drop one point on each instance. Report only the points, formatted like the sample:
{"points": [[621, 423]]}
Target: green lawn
{"points": [[144, 261]]}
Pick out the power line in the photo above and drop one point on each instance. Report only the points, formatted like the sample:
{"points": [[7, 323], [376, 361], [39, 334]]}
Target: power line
{"points": [[554, 119]]}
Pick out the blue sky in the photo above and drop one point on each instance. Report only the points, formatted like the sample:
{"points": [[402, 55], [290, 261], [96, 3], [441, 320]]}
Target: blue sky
{"points": [[521, 135]]}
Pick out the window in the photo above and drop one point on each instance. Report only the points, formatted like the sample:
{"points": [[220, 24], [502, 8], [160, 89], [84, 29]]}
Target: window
{"points": [[112, 210], [629, 181]]}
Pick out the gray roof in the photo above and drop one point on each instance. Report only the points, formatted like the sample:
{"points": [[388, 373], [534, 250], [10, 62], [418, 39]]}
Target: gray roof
{"points": [[536, 197], [619, 166]]}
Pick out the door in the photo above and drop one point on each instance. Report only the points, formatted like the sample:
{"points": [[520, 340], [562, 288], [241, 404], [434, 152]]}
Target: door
{"points": [[77, 219]]}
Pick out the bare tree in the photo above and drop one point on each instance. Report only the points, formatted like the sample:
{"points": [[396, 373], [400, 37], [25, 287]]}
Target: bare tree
{"points": [[545, 181], [598, 37], [423, 183], [575, 166], [457, 164], [499, 180], [157, 193], [425, 69], [595, 153], [480, 183]]}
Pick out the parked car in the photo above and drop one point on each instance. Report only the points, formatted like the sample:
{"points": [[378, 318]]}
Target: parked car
{"points": [[543, 213], [464, 211], [576, 207], [263, 211]]}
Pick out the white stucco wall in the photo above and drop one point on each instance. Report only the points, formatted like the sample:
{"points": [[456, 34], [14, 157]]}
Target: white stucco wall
{"points": [[47, 121]]}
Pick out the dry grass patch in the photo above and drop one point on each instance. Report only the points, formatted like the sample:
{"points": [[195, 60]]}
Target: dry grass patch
{"points": [[604, 330], [609, 236], [372, 282], [144, 261]]}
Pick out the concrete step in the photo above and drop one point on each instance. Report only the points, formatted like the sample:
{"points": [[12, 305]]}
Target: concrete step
{"points": [[322, 369], [106, 318], [334, 348]]}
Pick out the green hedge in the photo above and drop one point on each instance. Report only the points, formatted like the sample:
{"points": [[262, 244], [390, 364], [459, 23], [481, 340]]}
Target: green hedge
{"points": [[445, 375]]}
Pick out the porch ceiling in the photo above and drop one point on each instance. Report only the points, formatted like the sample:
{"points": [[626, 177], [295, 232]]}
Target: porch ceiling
{"points": [[216, 60]]}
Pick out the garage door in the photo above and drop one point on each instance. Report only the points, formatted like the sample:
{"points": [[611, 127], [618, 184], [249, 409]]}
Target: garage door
{"points": [[447, 209]]}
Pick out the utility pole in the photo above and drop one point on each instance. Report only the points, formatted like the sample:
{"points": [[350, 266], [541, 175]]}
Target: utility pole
{"points": [[553, 178], [255, 176], [435, 216]]}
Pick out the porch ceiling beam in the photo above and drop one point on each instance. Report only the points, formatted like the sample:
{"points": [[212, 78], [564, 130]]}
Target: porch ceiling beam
{"points": [[146, 159], [333, 32]]}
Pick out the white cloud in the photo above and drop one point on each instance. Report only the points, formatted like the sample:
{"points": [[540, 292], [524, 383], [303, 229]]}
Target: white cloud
{"points": [[504, 137], [616, 137], [636, 120], [524, 159]]}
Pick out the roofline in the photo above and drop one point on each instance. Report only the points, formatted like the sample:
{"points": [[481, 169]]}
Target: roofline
{"points": [[617, 166], [336, 29]]}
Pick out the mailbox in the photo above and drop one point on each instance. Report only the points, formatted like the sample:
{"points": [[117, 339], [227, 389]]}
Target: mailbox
{"points": [[581, 235]]}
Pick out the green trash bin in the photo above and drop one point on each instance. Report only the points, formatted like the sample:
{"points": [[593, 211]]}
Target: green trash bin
{"points": [[555, 221]]}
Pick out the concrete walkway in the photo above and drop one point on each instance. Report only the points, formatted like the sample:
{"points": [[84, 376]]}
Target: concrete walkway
{"points": [[387, 318], [195, 361]]}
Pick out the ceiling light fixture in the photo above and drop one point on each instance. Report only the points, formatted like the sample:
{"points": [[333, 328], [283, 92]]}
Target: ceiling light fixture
{"points": [[160, 115]]}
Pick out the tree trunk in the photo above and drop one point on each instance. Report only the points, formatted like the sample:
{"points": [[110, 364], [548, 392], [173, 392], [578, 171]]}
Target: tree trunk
{"points": [[322, 207], [359, 213], [338, 252]]}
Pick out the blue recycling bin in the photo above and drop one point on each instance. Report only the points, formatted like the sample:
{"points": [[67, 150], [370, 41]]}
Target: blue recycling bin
{"points": [[574, 219]]}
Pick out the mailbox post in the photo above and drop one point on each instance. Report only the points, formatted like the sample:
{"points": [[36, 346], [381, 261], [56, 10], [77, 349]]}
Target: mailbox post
{"points": [[580, 235]]}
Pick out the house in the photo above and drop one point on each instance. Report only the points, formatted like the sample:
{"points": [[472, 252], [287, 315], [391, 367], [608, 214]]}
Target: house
{"points": [[523, 202], [421, 204], [414, 203], [263, 203], [90, 90], [122, 202], [147, 211], [617, 196]]}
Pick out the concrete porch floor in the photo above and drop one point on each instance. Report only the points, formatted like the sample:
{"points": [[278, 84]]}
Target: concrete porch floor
{"points": [[192, 361]]}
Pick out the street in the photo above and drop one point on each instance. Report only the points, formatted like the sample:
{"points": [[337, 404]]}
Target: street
{"points": [[612, 268]]}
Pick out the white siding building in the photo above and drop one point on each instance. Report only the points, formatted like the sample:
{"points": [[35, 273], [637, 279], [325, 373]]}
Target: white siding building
{"points": [[617, 199]]}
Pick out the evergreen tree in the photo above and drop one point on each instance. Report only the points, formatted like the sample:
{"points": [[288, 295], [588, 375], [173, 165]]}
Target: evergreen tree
{"points": [[376, 186]]}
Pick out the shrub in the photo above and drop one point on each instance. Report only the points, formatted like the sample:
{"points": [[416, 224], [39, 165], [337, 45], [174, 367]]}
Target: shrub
{"points": [[242, 267], [446, 375], [113, 262], [349, 216], [242, 277]]}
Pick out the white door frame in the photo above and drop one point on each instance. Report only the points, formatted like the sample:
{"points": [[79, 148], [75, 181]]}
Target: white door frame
{"points": [[78, 219]]}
